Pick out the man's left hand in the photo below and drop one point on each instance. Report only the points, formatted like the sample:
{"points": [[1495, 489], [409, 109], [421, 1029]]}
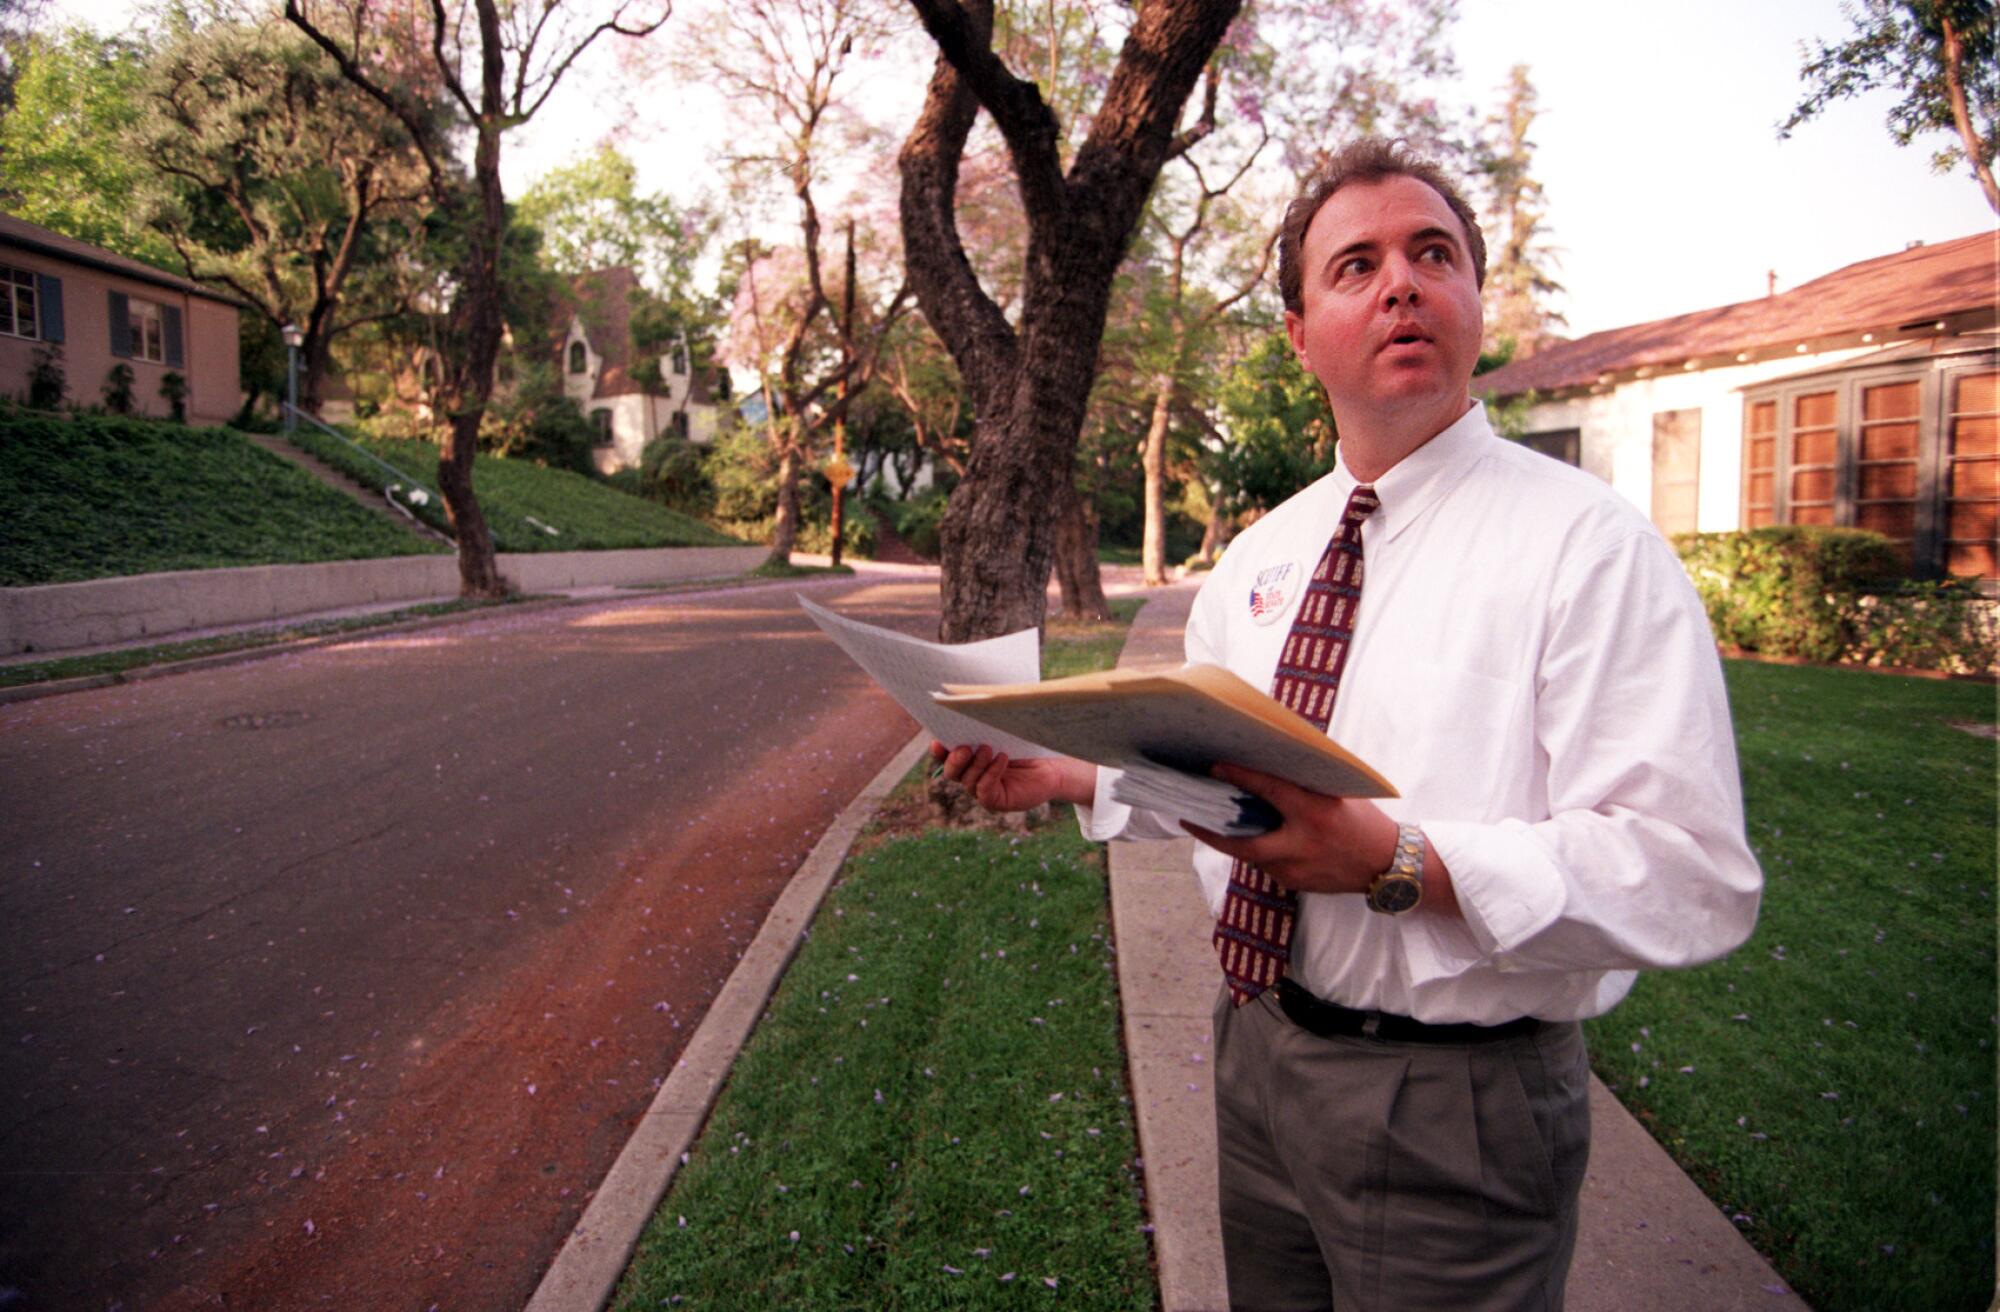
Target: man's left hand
{"points": [[1324, 844]]}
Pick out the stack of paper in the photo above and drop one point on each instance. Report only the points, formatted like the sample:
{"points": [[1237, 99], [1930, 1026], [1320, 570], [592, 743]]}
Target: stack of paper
{"points": [[1209, 803]]}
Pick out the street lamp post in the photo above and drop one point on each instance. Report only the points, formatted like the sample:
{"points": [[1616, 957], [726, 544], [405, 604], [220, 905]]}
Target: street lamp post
{"points": [[293, 340]]}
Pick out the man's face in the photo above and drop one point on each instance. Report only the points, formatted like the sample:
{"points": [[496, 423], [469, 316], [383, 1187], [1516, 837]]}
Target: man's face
{"points": [[1391, 322]]}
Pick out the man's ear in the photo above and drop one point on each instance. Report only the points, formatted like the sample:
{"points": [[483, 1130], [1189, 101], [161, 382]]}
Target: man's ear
{"points": [[1295, 329]]}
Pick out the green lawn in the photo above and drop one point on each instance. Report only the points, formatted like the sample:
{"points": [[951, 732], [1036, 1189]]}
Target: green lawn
{"points": [[933, 1113], [95, 497], [523, 501], [1832, 1083]]}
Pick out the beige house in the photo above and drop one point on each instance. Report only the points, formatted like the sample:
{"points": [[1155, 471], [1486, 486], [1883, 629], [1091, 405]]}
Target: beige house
{"points": [[593, 323], [1868, 397], [95, 310]]}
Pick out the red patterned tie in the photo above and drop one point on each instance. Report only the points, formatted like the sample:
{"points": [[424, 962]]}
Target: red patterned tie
{"points": [[1254, 936]]}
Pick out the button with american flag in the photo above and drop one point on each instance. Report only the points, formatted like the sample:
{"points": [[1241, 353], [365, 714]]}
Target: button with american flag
{"points": [[1272, 591]]}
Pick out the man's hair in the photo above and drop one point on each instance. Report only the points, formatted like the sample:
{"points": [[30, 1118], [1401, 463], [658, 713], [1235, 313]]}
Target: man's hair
{"points": [[1369, 159]]}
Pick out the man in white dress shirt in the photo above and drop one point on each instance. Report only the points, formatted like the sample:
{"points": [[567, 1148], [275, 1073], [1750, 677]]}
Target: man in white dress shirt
{"points": [[1403, 1117]]}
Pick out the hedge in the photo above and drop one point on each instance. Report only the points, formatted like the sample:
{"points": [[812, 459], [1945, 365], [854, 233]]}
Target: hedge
{"points": [[1835, 595]]}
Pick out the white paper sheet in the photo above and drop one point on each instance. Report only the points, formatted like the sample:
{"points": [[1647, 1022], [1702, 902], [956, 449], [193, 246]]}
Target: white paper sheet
{"points": [[910, 670]]}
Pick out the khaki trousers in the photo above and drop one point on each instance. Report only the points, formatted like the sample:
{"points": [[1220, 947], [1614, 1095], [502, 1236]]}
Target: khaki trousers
{"points": [[1396, 1177]]}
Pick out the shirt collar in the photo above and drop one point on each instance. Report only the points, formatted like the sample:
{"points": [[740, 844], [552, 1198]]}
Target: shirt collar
{"points": [[1414, 483]]}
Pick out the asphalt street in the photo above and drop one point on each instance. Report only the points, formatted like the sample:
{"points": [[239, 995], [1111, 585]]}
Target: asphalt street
{"points": [[339, 978]]}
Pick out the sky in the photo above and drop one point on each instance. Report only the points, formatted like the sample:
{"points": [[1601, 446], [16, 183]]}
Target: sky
{"points": [[1667, 188]]}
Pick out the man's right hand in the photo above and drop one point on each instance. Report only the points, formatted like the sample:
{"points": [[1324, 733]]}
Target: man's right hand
{"points": [[999, 783]]}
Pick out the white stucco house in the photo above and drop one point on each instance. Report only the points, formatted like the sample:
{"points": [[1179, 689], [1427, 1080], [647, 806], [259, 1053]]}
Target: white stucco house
{"points": [[1868, 397], [597, 359]]}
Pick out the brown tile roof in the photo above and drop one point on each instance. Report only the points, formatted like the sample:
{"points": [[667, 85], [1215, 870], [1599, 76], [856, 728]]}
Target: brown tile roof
{"points": [[1902, 294], [24, 235], [603, 300]]}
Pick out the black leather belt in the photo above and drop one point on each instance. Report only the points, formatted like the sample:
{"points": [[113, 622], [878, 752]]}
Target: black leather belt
{"points": [[1328, 1019]]}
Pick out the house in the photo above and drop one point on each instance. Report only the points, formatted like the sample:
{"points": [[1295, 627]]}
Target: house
{"points": [[88, 310], [1867, 397], [601, 372]]}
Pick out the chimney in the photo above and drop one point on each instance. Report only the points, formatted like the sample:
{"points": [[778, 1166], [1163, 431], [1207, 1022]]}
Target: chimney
{"points": [[1771, 283]]}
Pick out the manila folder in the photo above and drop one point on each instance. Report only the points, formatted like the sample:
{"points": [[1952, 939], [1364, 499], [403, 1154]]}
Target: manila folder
{"points": [[1186, 719]]}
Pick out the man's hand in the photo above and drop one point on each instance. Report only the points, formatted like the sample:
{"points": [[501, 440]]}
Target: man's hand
{"points": [[1323, 844], [1000, 784]]}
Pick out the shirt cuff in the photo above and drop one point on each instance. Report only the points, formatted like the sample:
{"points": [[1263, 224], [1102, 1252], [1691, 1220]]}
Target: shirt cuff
{"points": [[1104, 819], [1507, 887]]}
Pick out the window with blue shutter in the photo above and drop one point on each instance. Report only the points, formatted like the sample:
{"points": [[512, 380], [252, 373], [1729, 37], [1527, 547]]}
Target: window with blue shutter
{"points": [[121, 326], [20, 297], [170, 316], [52, 315]]}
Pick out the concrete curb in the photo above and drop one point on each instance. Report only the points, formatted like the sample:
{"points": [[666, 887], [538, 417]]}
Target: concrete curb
{"points": [[596, 1253], [1649, 1239]]}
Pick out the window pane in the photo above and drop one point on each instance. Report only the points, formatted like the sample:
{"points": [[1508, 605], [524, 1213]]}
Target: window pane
{"points": [[1889, 442], [1897, 519], [1978, 392], [1813, 411], [1972, 560], [1763, 419], [1762, 451], [1821, 514], [1973, 521], [1758, 517], [1816, 448], [1890, 401], [24, 311], [1760, 489], [1812, 485], [6, 313], [1975, 478], [1975, 437], [1897, 481]]}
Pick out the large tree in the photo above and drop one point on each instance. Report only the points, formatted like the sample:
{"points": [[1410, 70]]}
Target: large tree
{"points": [[1943, 55], [287, 187], [495, 63], [1520, 262], [1029, 380]]}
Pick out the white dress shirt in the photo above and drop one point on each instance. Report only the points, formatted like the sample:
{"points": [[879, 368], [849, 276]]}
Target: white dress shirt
{"points": [[1534, 673]]}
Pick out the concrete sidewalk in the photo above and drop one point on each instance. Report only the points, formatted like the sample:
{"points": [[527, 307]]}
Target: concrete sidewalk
{"points": [[1650, 1239]]}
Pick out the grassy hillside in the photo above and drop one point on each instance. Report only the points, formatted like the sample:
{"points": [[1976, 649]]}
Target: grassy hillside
{"points": [[585, 514], [95, 497]]}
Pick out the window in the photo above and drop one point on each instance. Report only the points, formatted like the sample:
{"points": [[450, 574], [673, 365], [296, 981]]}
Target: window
{"points": [[680, 361], [578, 362], [600, 419], [148, 335], [20, 304], [1909, 451], [1564, 444]]}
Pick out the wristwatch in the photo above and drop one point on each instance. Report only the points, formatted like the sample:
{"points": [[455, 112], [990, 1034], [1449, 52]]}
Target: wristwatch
{"points": [[1401, 886]]}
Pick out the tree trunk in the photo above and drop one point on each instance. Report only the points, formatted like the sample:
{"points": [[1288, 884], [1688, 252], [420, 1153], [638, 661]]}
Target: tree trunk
{"points": [[314, 364], [1211, 535], [1153, 549], [1076, 558], [785, 529]]}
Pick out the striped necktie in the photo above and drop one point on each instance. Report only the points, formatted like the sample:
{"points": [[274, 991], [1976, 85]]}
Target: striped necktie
{"points": [[1254, 936]]}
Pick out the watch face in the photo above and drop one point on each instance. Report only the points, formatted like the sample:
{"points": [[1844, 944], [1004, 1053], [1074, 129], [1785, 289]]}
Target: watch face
{"points": [[1395, 894]]}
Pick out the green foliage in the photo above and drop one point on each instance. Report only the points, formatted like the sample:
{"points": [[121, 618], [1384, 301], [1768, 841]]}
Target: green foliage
{"points": [[533, 420], [1831, 594], [674, 472], [1840, 1096], [1279, 432], [62, 161], [118, 396], [47, 384], [916, 520], [515, 494], [96, 497], [174, 391], [1900, 44]]}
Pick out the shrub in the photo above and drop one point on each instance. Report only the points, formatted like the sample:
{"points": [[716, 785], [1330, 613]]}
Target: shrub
{"points": [[174, 391], [1833, 595], [916, 521], [47, 384], [674, 472], [118, 389]]}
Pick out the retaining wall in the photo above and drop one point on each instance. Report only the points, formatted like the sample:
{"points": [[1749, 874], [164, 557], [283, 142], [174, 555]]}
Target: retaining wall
{"points": [[57, 617]]}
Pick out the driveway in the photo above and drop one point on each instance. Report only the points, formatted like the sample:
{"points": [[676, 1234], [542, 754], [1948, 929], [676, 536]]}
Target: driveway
{"points": [[339, 978]]}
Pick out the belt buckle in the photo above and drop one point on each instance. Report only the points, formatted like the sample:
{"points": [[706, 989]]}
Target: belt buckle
{"points": [[1372, 1023]]}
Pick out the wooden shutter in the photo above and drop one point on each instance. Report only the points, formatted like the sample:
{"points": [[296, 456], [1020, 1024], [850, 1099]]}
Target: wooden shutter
{"points": [[1972, 483], [1814, 464], [51, 298], [121, 326], [1676, 470], [170, 327], [1760, 457], [1887, 442]]}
